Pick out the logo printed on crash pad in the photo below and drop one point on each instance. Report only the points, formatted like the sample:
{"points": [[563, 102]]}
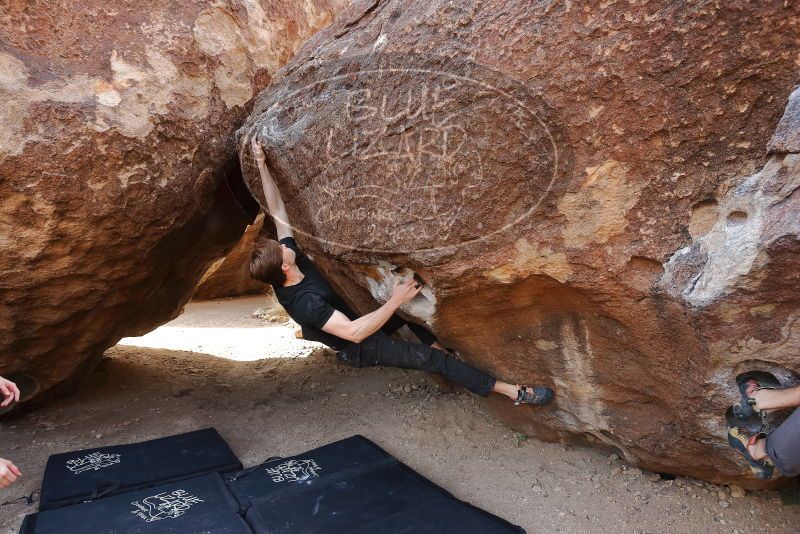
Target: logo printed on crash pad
{"points": [[165, 505], [294, 471], [94, 461]]}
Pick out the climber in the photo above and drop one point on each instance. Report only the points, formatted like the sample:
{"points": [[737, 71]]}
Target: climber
{"points": [[8, 471], [359, 341], [780, 448]]}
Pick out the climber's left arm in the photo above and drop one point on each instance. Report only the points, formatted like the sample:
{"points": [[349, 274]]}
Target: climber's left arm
{"points": [[271, 193]]}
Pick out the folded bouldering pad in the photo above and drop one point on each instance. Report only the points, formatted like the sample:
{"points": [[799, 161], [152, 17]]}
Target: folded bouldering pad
{"points": [[198, 505], [90, 474], [352, 485]]}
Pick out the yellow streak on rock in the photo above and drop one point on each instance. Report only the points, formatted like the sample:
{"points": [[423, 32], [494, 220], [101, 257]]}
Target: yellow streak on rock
{"points": [[17, 96], [218, 34], [765, 310], [597, 211], [25, 240], [545, 344], [13, 81], [578, 388], [137, 92], [704, 217], [261, 43], [528, 260], [126, 102], [148, 90]]}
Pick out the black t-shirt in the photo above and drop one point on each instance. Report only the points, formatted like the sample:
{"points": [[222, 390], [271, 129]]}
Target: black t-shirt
{"points": [[311, 302]]}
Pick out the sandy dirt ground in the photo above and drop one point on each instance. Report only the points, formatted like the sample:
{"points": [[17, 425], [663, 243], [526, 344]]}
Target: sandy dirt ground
{"points": [[288, 396]]}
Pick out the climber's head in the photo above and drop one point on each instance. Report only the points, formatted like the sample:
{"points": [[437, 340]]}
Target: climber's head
{"points": [[270, 261]]}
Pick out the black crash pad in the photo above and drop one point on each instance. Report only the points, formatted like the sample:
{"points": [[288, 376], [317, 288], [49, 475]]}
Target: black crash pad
{"points": [[352, 485], [197, 505], [88, 474]]}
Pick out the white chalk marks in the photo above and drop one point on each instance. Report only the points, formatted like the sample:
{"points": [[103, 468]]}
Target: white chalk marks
{"points": [[400, 158]]}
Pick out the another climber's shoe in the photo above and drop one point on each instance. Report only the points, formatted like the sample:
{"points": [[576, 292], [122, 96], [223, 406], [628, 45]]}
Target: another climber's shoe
{"points": [[749, 383], [752, 425], [740, 440]]}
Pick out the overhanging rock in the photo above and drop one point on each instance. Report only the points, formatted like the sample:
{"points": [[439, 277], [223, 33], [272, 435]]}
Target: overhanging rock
{"points": [[584, 190]]}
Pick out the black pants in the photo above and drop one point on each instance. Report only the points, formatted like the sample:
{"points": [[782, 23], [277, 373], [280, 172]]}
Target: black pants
{"points": [[396, 322], [380, 349]]}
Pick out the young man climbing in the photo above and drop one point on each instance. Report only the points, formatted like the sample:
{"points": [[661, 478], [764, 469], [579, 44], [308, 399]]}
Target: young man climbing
{"points": [[359, 341], [781, 448]]}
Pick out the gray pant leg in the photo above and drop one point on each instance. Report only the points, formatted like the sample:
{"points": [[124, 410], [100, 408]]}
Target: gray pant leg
{"points": [[783, 445]]}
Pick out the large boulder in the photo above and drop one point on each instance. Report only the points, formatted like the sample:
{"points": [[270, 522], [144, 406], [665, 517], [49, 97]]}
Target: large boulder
{"points": [[114, 141], [585, 191]]}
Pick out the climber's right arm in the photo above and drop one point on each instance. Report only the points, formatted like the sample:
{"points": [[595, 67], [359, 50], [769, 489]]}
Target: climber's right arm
{"points": [[274, 201]]}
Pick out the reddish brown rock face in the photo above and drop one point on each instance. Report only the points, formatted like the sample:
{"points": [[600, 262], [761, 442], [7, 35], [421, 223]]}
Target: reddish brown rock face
{"points": [[230, 276], [585, 191], [114, 137]]}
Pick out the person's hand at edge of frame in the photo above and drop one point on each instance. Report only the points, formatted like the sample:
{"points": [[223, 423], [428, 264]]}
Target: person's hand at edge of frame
{"points": [[8, 473], [10, 392]]}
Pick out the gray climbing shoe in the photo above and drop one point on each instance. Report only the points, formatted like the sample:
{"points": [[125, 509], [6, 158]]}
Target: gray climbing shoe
{"points": [[538, 396], [749, 383]]}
